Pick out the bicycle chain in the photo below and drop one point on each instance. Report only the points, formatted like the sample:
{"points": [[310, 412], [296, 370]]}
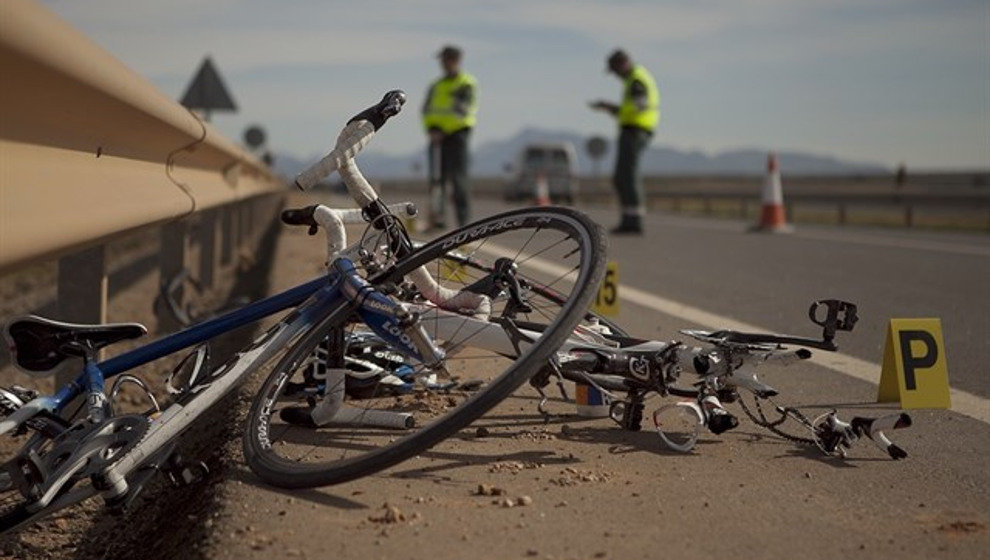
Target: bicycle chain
{"points": [[772, 425]]}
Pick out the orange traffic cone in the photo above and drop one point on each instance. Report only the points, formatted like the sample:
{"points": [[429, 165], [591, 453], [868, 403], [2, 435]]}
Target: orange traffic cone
{"points": [[542, 189], [772, 216]]}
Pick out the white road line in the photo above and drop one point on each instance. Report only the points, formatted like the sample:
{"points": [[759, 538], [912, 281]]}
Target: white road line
{"points": [[915, 244], [843, 236], [963, 402]]}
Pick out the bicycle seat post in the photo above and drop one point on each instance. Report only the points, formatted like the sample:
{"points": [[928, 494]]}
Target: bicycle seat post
{"points": [[91, 380]]}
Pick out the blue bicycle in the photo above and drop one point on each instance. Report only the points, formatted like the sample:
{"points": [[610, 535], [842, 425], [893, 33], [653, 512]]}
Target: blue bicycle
{"points": [[329, 411]]}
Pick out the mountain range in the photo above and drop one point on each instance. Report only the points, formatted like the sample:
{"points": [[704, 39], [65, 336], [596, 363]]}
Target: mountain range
{"points": [[491, 158]]}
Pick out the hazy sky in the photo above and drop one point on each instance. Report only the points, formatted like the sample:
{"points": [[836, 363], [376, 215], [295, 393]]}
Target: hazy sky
{"points": [[876, 80]]}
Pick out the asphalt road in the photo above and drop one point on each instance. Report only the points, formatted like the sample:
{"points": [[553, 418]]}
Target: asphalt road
{"points": [[770, 280]]}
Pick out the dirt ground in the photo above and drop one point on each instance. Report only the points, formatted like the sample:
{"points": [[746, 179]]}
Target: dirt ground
{"points": [[514, 486]]}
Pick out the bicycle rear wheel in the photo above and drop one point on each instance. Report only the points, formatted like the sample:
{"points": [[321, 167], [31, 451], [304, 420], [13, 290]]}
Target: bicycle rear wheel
{"points": [[557, 250]]}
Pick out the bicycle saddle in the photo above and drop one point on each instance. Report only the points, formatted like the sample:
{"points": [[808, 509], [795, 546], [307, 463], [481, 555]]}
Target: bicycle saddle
{"points": [[39, 345]]}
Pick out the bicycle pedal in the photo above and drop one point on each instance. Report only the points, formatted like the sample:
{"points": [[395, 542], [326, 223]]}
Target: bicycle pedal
{"points": [[188, 473], [135, 485]]}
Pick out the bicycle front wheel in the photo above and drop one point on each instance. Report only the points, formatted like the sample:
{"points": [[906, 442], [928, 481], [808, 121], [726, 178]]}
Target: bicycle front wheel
{"points": [[546, 265]]}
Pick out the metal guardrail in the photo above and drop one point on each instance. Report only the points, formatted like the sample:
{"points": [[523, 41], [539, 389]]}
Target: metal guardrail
{"points": [[90, 151]]}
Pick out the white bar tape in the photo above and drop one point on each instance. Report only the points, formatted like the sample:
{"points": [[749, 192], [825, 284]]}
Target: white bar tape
{"points": [[370, 417], [468, 303], [333, 399], [361, 191], [351, 140]]}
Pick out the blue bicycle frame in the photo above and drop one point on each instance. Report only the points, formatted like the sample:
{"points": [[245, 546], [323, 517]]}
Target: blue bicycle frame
{"points": [[343, 286], [93, 375], [320, 304]]}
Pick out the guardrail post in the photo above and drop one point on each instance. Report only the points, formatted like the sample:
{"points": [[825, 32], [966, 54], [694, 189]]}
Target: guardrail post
{"points": [[242, 228], [172, 260], [249, 218], [228, 235], [82, 293], [207, 247]]}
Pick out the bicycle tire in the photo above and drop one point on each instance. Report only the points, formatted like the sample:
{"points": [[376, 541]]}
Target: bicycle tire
{"points": [[280, 471]]}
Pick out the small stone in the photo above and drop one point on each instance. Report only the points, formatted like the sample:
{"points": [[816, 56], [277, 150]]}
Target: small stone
{"points": [[807, 475], [565, 430], [391, 515], [532, 552], [484, 490], [507, 503], [481, 432], [525, 500]]}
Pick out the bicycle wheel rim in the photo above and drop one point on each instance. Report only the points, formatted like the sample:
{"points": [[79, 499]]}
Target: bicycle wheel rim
{"points": [[678, 426], [579, 238]]}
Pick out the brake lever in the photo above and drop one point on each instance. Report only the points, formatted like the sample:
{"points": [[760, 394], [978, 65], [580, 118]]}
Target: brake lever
{"points": [[301, 217], [874, 429]]}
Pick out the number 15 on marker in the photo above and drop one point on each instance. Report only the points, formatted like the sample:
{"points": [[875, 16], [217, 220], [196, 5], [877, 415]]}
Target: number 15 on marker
{"points": [[607, 300]]}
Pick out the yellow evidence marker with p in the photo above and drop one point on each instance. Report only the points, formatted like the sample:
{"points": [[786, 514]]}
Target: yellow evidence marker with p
{"points": [[914, 371]]}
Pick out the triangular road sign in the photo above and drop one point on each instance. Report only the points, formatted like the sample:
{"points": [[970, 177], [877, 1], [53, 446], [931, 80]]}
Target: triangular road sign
{"points": [[207, 91]]}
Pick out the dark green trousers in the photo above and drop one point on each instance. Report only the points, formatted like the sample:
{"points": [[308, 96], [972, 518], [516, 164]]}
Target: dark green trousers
{"points": [[454, 162], [632, 141]]}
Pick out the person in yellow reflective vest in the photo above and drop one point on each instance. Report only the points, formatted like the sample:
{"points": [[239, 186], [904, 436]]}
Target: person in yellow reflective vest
{"points": [[638, 115], [448, 117]]}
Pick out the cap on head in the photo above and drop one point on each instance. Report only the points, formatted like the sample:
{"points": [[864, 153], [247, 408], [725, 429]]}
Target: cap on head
{"points": [[449, 52], [617, 59]]}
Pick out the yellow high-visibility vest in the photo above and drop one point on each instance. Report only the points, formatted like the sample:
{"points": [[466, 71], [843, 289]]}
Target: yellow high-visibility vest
{"points": [[440, 110], [629, 113]]}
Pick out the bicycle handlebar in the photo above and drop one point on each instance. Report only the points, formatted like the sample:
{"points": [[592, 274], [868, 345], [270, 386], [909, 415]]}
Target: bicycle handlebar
{"points": [[355, 135], [312, 215]]}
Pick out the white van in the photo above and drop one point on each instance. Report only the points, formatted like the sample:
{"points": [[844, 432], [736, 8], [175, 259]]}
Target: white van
{"points": [[557, 161]]}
